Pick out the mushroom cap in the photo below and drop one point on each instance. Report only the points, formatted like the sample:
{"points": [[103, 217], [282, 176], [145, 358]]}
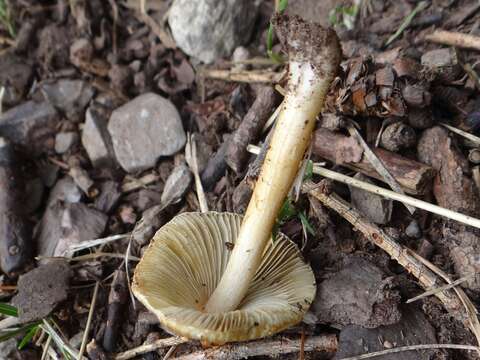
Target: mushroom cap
{"points": [[184, 263]]}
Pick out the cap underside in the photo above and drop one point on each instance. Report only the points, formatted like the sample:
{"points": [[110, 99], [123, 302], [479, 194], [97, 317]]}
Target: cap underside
{"points": [[184, 263]]}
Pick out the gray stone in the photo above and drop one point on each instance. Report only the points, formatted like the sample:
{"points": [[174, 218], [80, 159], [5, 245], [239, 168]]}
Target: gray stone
{"points": [[69, 96], [41, 289], [144, 129], [15, 77], [209, 29], [312, 10], [96, 140], [65, 190], [413, 329], [176, 185], [67, 224], [29, 124], [374, 207], [64, 141], [109, 196], [413, 230], [360, 293], [8, 350]]}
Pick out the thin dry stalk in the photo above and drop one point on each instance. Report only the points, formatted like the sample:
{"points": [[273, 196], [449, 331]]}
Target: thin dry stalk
{"points": [[465, 219], [191, 158], [143, 349], [158, 30], [377, 164], [269, 347], [136, 184], [376, 235], [89, 321], [453, 38], [412, 348], [438, 289], [474, 139], [252, 76], [87, 244]]}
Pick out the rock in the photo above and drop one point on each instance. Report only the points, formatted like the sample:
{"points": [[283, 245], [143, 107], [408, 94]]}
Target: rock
{"points": [[374, 207], [64, 141], [65, 190], [360, 293], [96, 140], [66, 224], [40, 290], [413, 230], [176, 185], [209, 29], [48, 172], [152, 220], [69, 96], [30, 124], [413, 329], [34, 191], [144, 129], [109, 195], [15, 77], [398, 136], [8, 350]]}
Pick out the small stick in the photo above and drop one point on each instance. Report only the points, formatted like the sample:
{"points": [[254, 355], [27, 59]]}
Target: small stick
{"points": [[466, 135], [453, 38], [438, 289], [465, 219], [158, 30], [136, 184], [269, 347], [191, 158], [116, 300], [412, 348], [453, 300], [378, 164], [95, 242], [252, 76], [143, 349], [89, 321]]}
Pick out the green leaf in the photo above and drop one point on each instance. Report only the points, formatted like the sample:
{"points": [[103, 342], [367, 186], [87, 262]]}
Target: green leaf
{"points": [[28, 337], [287, 211], [8, 310], [305, 223], [308, 171], [282, 6]]}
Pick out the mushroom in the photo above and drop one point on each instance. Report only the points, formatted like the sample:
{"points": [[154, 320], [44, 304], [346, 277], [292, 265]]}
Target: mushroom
{"points": [[216, 277]]}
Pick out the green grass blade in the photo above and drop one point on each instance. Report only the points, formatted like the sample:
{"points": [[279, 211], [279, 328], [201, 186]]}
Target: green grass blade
{"points": [[8, 310], [28, 336]]}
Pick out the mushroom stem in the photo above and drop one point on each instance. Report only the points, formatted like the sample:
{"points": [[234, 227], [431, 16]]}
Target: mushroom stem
{"points": [[314, 56]]}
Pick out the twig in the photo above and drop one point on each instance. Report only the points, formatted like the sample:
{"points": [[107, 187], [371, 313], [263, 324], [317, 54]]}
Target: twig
{"points": [[472, 74], [412, 348], [465, 219], [272, 118], [46, 347], [438, 289], [252, 76], [454, 301], [57, 339], [143, 349], [157, 29], [89, 321], [327, 343], [92, 243], [474, 139], [136, 184], [378, 164], [191, 158], [453, 38], [406, 22]]}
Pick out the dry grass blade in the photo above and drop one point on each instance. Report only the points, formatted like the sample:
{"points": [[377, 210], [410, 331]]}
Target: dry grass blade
{"points": [[143, 349], [377, 164], [251, 76], [438, 289], [191, 158], [412, 348], [474, 139], [89, 321], [426, 277], [87, 244]]}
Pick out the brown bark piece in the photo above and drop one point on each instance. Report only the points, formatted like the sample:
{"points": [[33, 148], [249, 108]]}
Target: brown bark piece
{"points": [[414, 177], [250, 128], [453, 187], [116, 300]]}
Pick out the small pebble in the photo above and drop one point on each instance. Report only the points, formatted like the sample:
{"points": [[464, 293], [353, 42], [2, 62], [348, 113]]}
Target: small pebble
{"points": [[413, 230], [64, 141]]}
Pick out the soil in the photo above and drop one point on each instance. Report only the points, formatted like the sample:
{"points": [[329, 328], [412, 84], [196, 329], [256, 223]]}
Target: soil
{"points": [[116, 55]]}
